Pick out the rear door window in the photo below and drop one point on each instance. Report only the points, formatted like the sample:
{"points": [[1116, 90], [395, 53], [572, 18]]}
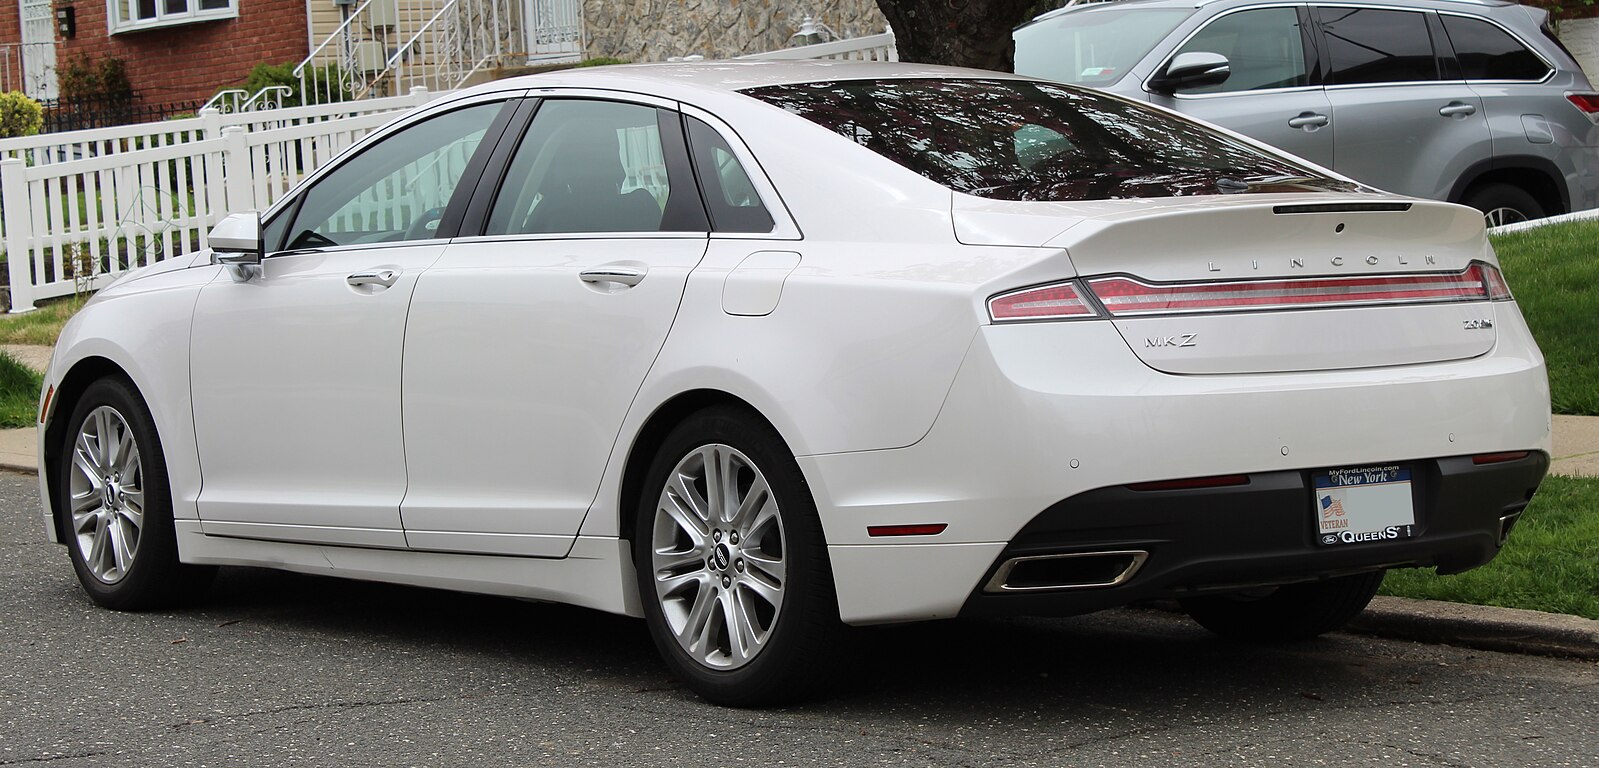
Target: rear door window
{"points": [[1368, 45], [730, 196], [585, 166], [1264, 47], [1486, 52]]}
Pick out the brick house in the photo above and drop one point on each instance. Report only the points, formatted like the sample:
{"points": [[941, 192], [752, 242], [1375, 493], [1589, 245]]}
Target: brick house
{"points": [[175, 51]]}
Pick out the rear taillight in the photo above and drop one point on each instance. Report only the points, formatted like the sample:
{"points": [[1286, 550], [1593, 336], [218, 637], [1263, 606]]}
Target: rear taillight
{"points": [[1058, 301], [1587, 102], [1130, 297]]}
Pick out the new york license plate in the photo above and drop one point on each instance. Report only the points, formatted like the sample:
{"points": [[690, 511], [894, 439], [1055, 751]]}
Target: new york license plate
{"points": [[1362, 504]]}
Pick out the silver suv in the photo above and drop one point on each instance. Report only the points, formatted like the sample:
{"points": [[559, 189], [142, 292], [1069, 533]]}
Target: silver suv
{"points": [[1468, 101]]}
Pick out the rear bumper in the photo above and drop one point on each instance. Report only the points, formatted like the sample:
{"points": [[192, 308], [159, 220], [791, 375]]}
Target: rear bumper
{"points": [[1258, 534], [1046, 412]]}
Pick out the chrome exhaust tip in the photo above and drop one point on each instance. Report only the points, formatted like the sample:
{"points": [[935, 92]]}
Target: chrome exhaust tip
{"points": [[1506, 523], [1076, 570]]}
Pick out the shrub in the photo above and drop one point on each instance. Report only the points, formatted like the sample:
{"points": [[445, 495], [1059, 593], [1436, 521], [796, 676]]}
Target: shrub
{"points": [[19, 115], [81, 79]]}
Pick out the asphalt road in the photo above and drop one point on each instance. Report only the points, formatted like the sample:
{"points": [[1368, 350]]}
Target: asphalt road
{"points": [[279, 669]]}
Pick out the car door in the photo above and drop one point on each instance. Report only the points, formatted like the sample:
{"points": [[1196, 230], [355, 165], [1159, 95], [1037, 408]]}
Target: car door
{"points": [[1273, 93], [1405, 120], [527, 343], [296, 371]]}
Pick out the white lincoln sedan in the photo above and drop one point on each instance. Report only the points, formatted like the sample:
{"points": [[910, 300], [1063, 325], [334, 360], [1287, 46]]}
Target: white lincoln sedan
{"points": [[756, 351]]}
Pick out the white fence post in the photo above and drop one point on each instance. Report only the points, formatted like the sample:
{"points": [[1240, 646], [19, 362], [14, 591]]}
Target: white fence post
{"points": [[210, 123], [236, 169], [19, 228], [420, 95]]}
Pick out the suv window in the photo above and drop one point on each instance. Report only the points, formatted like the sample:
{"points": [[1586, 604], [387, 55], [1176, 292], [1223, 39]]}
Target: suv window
{"points": [[1024, 140], [1487, 52], [1366, 45], [1092, 46], [585, 166], [734, 204], [396, 189], [1264, 48]]}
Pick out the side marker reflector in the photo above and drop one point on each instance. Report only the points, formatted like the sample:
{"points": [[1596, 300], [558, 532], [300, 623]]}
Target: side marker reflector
{"points": [[920, 529]]}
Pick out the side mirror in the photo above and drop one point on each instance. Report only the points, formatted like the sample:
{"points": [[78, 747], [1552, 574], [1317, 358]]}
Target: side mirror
{"points": [[1195, 69], [236, 244]]}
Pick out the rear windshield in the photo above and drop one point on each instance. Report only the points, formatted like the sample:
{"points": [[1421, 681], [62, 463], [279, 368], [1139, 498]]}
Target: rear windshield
{"points": [[1094, 46], [1020, 140]]}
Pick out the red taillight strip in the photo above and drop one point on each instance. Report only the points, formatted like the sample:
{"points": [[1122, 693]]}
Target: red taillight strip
{"points": [[1588, 103], [1126, 296], [1046, 302]]}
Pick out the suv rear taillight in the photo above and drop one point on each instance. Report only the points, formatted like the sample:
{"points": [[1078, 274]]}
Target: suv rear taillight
{"points": [[1057, 301], [1588, 103]]}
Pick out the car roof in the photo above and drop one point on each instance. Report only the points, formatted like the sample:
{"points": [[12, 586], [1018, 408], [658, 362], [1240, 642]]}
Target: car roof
{"points": [[682, 81], [1203, 3]]}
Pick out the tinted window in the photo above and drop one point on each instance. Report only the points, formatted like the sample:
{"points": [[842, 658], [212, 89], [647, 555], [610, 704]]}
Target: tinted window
{"points": [[1019, 140], [585, 166], [1094, 46], [1264, 48], [1487, 52], [396, 189], [1372, 46], [734, 204]]}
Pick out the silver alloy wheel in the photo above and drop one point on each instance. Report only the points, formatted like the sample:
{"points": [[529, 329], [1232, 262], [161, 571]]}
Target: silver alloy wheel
{"points": [[1502, 215], [718, 555], [106, 484]]}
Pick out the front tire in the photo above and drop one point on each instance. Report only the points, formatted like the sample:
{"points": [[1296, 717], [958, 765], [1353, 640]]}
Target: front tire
{"points": [[732, 565], [1289, 613], [115, 507]]}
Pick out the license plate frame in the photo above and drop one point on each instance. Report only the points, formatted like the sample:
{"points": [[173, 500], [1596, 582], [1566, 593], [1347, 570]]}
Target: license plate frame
{"points": [[1360, 505]]}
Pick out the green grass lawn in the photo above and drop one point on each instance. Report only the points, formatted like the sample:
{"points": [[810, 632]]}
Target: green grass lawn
{"points": [[19, 393], [1554, 273], [1550, 563], [42, 325]]}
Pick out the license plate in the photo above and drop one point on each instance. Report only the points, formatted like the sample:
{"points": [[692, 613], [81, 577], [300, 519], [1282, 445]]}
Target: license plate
{"points": [[1362, 504]]}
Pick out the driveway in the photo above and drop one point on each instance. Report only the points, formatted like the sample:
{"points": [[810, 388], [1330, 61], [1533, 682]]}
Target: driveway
{"points": [[281, 670]]}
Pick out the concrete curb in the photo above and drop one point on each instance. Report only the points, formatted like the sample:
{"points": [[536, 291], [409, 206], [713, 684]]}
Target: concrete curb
{"points": [[1511, 630]]}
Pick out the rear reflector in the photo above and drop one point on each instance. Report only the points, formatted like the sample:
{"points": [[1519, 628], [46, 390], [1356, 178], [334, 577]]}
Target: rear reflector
{"points": [[1060, 301], [1217, 481], [920, 529], [1587, 102], [1128, 297], [1499, 458]]}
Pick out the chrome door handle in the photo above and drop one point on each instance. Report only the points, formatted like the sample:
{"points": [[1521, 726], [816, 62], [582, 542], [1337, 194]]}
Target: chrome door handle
{"points": [[1456, 108], [628, 276], [1307, 120], [383, 277]]}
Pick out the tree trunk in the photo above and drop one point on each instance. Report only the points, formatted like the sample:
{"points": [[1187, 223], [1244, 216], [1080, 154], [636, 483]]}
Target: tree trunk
{"points": [[959, 33]]}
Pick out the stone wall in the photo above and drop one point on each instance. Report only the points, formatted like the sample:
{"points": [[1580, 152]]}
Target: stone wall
{"points": [[655, 30], [1581, 37]]}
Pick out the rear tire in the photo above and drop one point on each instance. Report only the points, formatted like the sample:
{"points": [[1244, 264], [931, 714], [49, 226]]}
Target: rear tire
{"points": [[1503, 203], [736, 585], [1290, 613], [115, 506]]}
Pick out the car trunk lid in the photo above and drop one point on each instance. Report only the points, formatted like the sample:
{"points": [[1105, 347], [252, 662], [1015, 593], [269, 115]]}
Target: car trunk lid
{"points": [[1269, 283]]}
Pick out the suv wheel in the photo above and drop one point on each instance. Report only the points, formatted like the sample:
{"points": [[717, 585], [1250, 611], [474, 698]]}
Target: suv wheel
{"points": [[1502, 204]]}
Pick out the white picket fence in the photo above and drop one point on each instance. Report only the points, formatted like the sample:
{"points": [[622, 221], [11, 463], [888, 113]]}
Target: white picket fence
{"points": [[78, 209], [879, 47]]}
